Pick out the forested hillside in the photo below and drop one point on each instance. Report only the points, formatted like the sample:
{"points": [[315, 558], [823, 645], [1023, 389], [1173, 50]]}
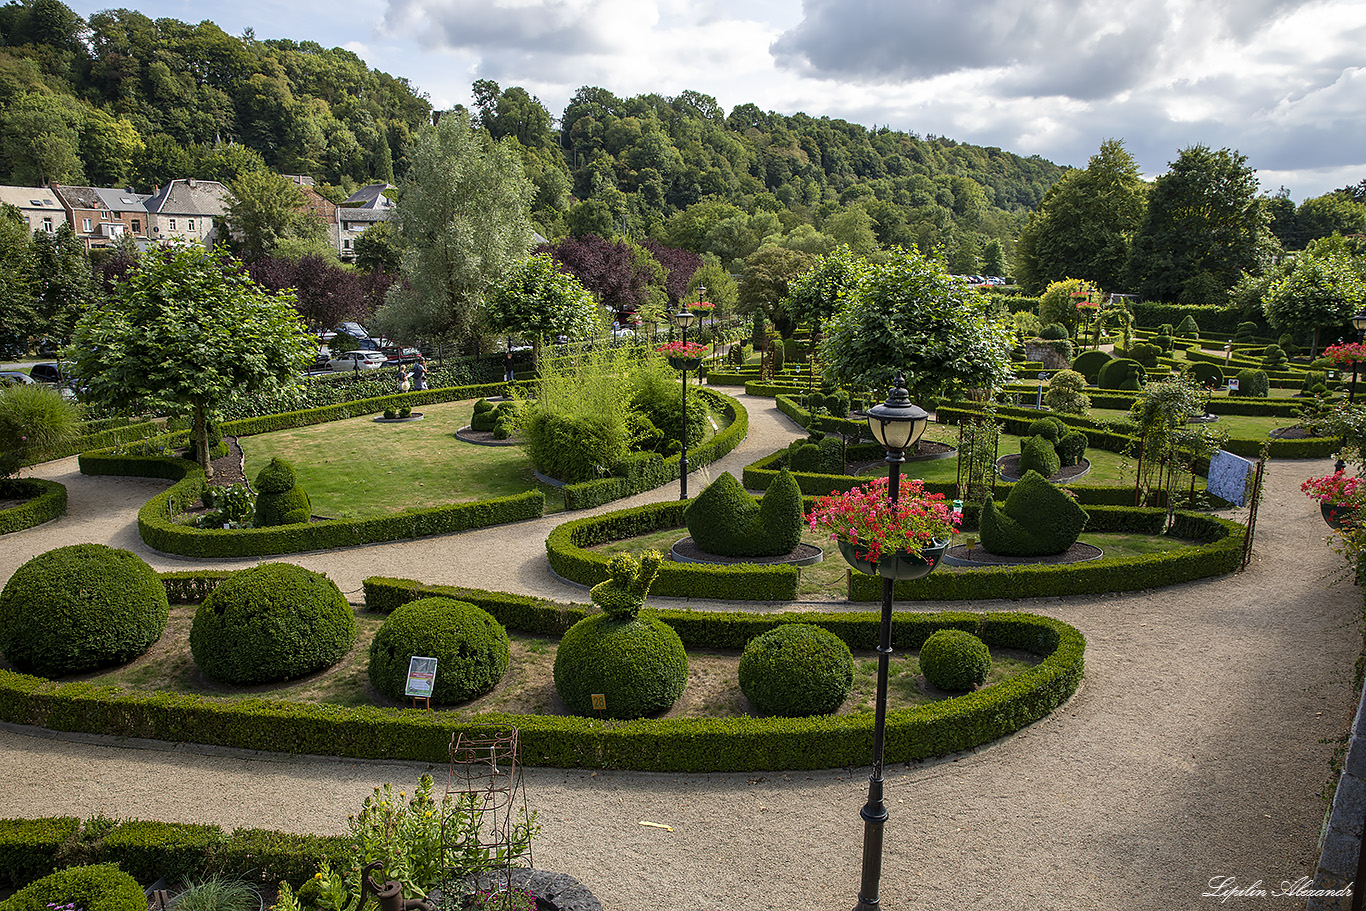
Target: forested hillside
{"points": [[120, 99]]}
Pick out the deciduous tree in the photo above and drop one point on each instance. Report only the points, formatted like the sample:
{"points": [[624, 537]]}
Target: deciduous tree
{"points": [[537, 300], [1319, 291]]}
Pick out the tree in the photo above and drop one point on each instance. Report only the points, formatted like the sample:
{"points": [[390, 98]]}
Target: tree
{"points": [[1061, 303], [764, 282], [65, 280], [378, 249], [909, 316], [265, 209], [536, 299], [679, 267], [721, 288], [1204, 227], [1084, 226], [18, 281], [1320, 290], [187, 329], [815, 295], [1332, 212], [462, 214], [610, 269]]}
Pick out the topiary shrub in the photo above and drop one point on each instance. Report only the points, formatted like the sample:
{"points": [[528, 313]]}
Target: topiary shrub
{"points": [[637, 663], [1088, 364], [804, 456], [1121, 373], [1273, 358], [726, 521], [504, 427], [99, 887], [1071, 448], [795, 670], [1036, 520], [469, 645], [1145, 353], [1245, 334], [1287, 343], [272, 622], [955, 660], [482, 405], [279, 499], [1065, 393], [1164, 343], [1211, 376], [1253, 383], [80, 608], [1314, 380], [1049, 428], [1039, 455], [1187, 328], [1053, 332]]}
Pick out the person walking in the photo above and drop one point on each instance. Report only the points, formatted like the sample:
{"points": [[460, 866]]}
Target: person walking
{"points": [[508, 375], [403, 384], [420, 373]]}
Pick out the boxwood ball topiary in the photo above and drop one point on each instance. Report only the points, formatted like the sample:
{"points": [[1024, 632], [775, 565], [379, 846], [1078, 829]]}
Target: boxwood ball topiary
{"points": [[470, 648], [796, 669], [955, 660], [79, 608], [280, 500], [639, 665], [272, 622], [99, 887]]}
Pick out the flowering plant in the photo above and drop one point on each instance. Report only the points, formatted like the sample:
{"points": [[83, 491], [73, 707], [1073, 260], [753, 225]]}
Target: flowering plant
{"points": [[1336, 490], [1345, 354], [702, 306], [868, 519], [513, 899], [683, 349]]}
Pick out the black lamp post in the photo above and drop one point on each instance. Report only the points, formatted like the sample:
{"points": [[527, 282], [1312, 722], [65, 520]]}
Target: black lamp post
{"points": [[897, 424], [683, 318], [1358, 323]]}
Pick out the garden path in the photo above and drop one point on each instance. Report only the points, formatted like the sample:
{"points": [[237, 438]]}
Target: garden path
{"points": [[1195, 749]]}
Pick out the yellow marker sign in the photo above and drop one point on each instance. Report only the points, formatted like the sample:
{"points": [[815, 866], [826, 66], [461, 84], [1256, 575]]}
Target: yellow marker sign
{"points": [[599, 702]]}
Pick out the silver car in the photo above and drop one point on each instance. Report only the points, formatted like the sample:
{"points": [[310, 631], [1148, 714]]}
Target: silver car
{"points": [[367, 360]]}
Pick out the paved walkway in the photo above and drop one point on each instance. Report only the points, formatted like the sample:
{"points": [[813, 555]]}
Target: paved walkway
{"points": [[1195, 749]]}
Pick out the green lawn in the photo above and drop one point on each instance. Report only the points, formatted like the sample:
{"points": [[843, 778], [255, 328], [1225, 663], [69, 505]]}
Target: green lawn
{"points": [[1238, 426]]}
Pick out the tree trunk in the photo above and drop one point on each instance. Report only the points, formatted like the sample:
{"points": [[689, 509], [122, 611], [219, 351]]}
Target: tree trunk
{"points": [[201, 438], [1314, 344]]}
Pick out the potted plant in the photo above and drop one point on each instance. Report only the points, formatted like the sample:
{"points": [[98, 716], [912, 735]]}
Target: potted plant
{"points": [[901, 540], [683, 355], [1339, 497]]}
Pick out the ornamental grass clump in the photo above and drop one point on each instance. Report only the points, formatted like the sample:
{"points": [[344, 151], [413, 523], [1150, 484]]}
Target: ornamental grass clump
{"points": [[867, 519]]}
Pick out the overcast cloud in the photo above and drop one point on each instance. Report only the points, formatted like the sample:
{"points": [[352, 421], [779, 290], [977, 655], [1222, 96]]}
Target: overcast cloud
{"points": [[1278, 80]]}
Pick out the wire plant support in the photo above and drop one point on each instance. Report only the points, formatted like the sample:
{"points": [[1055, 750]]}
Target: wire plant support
{"points": [[481, 845]]}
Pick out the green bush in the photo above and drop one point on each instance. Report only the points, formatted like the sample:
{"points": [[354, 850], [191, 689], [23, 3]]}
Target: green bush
{"points": [[1037, 519], [1208, 375], [638, 665], [955, 660], [470, 646], [1088, 364], [1051, 429], [272, 622], [101, 887], [795, 670], [1121, 373], [80, 608], [30, 847], [1072, 447], [1245, 334], [1253, 383], [1146, 354], [280, 500], [727, 521], [1188, 327], [1273, 358], [1066, 393], [1053, 332], [1038, 455]]}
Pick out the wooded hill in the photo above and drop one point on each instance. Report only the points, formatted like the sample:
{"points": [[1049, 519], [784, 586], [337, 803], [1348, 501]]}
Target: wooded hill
{"points": [[124, 100]]}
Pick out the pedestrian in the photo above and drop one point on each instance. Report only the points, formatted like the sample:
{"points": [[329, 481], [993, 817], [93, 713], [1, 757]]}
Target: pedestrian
{"points": [[508, 375], [402, 378], [420, 374]]}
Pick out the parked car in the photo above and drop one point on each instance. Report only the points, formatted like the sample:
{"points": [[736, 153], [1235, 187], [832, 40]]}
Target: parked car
{"points": [[395, 355], [47, 374], [367, 360], [15, 378]]}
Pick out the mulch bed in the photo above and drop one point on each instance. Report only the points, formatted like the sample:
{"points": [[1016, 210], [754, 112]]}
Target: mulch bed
{"points": [[1009, 467], [1077, 553], [1290, 433], [485, 437], [689, 550], [228, 470]]}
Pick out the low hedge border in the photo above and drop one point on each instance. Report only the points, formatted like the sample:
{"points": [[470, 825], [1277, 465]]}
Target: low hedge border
{"points": [[647, 474], [663, 745], [33, 848], [44, 501], [1221, 552], [1108, 398], [566, 548]]}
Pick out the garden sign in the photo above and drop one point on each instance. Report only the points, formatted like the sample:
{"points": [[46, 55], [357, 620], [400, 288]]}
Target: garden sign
{"points": [[421, 677]]}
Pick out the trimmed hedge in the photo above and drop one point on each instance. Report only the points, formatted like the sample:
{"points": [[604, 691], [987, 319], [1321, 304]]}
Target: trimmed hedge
{"points": [[683, 745], [45, 501], [29, 847], [99, 887]]}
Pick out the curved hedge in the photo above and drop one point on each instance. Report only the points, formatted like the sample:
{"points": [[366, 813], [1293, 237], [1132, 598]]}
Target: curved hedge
{"points": [[45, 500], [670, 745]]}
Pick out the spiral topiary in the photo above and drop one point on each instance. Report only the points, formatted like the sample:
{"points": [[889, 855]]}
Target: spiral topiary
{"points": [[469, 645], [79, 608], [955, 660], [279, 499], [795, 670], [99, 887], [272, 622], [636, 662]]}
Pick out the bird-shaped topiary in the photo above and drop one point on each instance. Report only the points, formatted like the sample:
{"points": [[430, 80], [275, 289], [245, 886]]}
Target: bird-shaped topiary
{"points": [[279, 499], [623, 595], [726, 521], [1037, 520]]}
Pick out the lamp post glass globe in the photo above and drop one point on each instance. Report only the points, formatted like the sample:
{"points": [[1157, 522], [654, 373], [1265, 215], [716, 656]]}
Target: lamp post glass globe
{"points": [[683, 318], [1359, 321], [898, 422]]}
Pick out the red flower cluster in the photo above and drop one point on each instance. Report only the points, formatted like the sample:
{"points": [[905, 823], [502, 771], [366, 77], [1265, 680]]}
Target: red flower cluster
{"points": [[1345, 354], [1336, 489], [868, 519], [683, 349]]}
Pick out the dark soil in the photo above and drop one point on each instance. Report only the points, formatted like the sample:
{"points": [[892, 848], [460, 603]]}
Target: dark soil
{"points": [[1009, 467]]}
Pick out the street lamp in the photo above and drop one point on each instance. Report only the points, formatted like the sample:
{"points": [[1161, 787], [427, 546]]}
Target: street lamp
{"points": [[1358, 323], [1038, 402], [897, 424], [683, 318]]}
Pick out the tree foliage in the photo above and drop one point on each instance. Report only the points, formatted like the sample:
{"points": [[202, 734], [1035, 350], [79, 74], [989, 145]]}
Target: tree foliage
{"points": [[1318, 291], [815, 295], [536, 300]]}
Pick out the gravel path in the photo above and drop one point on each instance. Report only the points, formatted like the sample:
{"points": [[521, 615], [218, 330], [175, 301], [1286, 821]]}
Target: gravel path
{"points": [[1196, 747]]}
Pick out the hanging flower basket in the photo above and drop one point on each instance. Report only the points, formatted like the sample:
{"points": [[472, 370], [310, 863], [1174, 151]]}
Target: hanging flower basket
{"points": [[683, 355], [1338, 515], [685, 363], [896, 540], [897, 564]]}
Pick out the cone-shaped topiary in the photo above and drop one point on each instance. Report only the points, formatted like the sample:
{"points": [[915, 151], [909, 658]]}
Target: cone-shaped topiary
{"points": [[1188, 328], [469, 645], [955, 660], [727, 521], [272, 622], [79, 608], [98, 887], [1037, 454], [1037, 520], [279, 500], [796, 669]]}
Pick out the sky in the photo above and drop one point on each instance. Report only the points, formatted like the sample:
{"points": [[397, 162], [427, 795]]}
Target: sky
{"points": [[1282, 82]]}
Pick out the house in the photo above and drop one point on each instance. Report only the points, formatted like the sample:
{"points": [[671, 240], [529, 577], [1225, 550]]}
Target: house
{"points": [[39, 205], [323, 210], [186, 209], [358, 212], [370, 197], [99, 215]]}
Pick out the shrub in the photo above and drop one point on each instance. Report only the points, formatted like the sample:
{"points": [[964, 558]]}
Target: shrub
{"points": [[1088, 364], [280, 500], [1121, 373], [34, 419], [1145, 353], [727, 521], [79, 608], [1164, 343], [1246, 333], [1054, 331], [795, 670], [482, 405], [1314, 380], [1038, 454], [471, 649], [1036, 520], [639, 665], [1066, 393], [1188, 327], [955, 660], [657, 396], [1211, 376], [1253, 383], [101, 887], [504, 427], [1071, 448], [1048, 428], [1273, 358], [272, 622]]}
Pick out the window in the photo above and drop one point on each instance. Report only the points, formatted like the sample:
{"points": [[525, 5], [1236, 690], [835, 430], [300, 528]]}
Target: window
{"points": [[172, 224], [47, 225], [189, 224], [85, 225], [346, 244], [137, 226]]}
